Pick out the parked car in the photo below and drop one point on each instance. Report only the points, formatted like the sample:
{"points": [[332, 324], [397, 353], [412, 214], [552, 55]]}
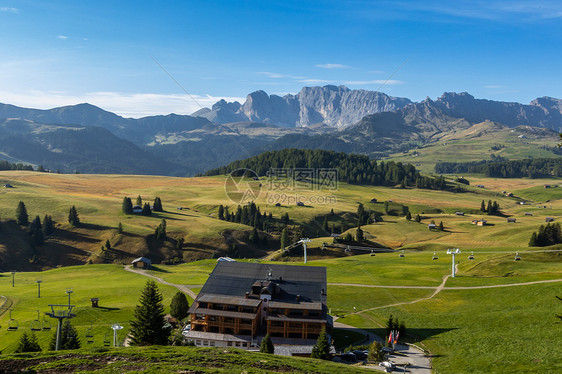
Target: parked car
{"points": [[360, 355], [388, 366], [387, 349], [349, 357]]}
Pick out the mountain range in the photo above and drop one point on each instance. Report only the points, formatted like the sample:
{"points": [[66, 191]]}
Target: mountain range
{"points": [[89, 139]]}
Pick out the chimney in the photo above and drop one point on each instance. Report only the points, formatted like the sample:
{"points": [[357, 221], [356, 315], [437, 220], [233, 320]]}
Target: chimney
{"points": [[247, 295], [298, 298]]}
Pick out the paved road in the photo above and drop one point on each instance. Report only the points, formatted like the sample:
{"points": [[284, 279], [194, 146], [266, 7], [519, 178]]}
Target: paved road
{"points": [[182, 287]]}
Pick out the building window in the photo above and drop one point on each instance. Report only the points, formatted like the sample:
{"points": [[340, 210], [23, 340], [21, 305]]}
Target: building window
{"points": [[212, 344], [238, 344], [229, 344], [198, 342], [205, 343]]}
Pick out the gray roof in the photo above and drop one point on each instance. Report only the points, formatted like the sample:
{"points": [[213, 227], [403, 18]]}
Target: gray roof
{"points": [[221, 313], [143, 259], [237, 278], [225, 299]]}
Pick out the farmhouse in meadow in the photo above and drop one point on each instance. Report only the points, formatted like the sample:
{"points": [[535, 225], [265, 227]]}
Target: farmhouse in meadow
{"points": [[142, 263], [241, 302]]}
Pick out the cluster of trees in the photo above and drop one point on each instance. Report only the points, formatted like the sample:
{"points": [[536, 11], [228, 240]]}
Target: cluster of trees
{"points": [[68, 340], [352, 168], [5, 165], [250, 215], [37, 230], [531, 168], [127, 206], [547, 235], [430, 183], [493, 208]]}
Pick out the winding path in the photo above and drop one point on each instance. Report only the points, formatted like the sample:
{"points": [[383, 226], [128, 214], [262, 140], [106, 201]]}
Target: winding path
{"points": [[182, 287]]}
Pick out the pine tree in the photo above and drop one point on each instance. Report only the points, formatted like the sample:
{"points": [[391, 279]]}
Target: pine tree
{"points": [[179, 306], [157, 206], [221, 212], [107, 245], [36, 232], [48, 227], [284, 238], [127, 206], [28, 343], [418, 218], [266, 345], [120, 228], [325, 224], [533, 241], [409, 216], [149, 326], [21, 215], [160, 231], [254, 237], [68, 338], [146, 211], [375, 352], [359, 234], [179, 243], [321, 349], [139, 200], [441, 228], [73, 218]]}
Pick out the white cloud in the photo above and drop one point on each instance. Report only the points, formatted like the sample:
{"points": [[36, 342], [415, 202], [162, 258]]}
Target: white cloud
{"points": [[315, 81], [278, 75], [389, 82], [8, 10], [63, 37], [332, 66], [125, 104]]}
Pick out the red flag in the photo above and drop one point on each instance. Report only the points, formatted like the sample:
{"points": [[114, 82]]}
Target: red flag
{"points": [[390, 337], [396, 336]]}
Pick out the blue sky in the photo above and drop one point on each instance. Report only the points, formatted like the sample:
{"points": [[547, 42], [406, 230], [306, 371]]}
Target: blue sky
{"points": [[113, 53]]}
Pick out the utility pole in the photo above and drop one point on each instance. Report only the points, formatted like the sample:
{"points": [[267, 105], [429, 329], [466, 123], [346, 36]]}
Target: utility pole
{"points": [[39, 288], [453, 251], [13, 274], [304, 241]]}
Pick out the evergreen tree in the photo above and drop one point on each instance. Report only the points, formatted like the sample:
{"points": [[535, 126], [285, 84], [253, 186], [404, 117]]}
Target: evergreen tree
{"points": [[139, 200], [21, 215], [266, 345], [375, 353], [254, 237], [28, 343], [441, 228], [325, 224], [127, 206], [179, 243], [120, 228], [149, 326], [284, 238], [73, 218], [157, 206], [321, 349], [107, 244], [285, 218], [48, 227], [160, 231], [359, 234], [409, 216], [489, 207], [146, 211], [179, 306], [533, 241], [68, 338], [386, 203], [36, 232], [418, 218], [221, 212]]}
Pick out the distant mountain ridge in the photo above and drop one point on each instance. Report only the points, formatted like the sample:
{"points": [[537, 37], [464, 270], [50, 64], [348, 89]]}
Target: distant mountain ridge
{"points": [[368, 122], [335, 106]]}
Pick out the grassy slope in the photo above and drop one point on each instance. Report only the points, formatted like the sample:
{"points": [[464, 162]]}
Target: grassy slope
{"points": [[474, 144], [168, 360]]}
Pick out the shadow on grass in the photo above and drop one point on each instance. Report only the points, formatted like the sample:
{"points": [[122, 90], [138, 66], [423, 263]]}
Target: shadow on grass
{"points": [[157, 269], [107, 309], [92, 226]]}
